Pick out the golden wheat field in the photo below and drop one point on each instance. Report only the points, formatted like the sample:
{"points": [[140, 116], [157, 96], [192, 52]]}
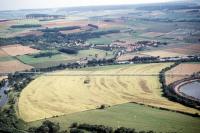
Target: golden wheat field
{"points": [[58, 94]]}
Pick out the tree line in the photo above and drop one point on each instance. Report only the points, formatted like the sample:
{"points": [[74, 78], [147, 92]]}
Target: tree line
{"points": [[60, 29], [51, 127], [45, 54], [26, 26]]}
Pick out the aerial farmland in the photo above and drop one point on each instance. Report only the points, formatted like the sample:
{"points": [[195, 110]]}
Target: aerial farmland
{"points": [[130, 68]]}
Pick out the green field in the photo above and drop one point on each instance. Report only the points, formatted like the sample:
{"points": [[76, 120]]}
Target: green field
{"points": [[63, 58], [6, 58], [133, 116]]}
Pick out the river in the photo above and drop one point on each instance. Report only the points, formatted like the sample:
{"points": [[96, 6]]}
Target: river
{"points": [[4, 97], [191, 89]]}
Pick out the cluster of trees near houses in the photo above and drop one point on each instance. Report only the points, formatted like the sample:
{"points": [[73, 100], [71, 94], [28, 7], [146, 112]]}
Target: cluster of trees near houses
{"points": [[52, 38], [168, 91]]}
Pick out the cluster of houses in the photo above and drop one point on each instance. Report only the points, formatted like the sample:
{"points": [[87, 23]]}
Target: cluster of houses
{"points": [[130, 46]]}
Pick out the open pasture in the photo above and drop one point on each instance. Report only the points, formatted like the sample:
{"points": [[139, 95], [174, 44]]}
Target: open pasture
{"points": [[64, 58], [185, 68], [17, 49], [59, 94]]}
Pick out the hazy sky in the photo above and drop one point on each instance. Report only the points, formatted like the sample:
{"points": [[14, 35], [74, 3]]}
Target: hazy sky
{"points": [[30, 4]]}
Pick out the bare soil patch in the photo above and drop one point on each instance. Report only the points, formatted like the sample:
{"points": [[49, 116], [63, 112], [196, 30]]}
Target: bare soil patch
{"points": [[26, 33], [18, 49], [13, 66]]}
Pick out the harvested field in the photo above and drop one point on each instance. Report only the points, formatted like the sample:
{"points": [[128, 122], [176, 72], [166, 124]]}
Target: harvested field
{"points": [[57, 94], [186, 50], [82, 23], [14, 50], [26, 33], [13, 66], [182, 69], [152, 34], [62, 23], [71, 31], [3, 53], [162, 53]]}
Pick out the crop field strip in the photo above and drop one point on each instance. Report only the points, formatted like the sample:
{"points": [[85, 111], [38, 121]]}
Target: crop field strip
{"points": [[48, 96]]}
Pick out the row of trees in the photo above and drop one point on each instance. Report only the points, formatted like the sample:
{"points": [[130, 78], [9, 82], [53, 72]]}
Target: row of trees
{"points": [[149, 59], [45, 54], [60, 29], [69, 50], [26, 26], [47, 127], [80, 128]]}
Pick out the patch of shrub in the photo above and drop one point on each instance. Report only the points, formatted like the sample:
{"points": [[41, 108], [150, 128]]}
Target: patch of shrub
{"points": [[69, 50]]}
